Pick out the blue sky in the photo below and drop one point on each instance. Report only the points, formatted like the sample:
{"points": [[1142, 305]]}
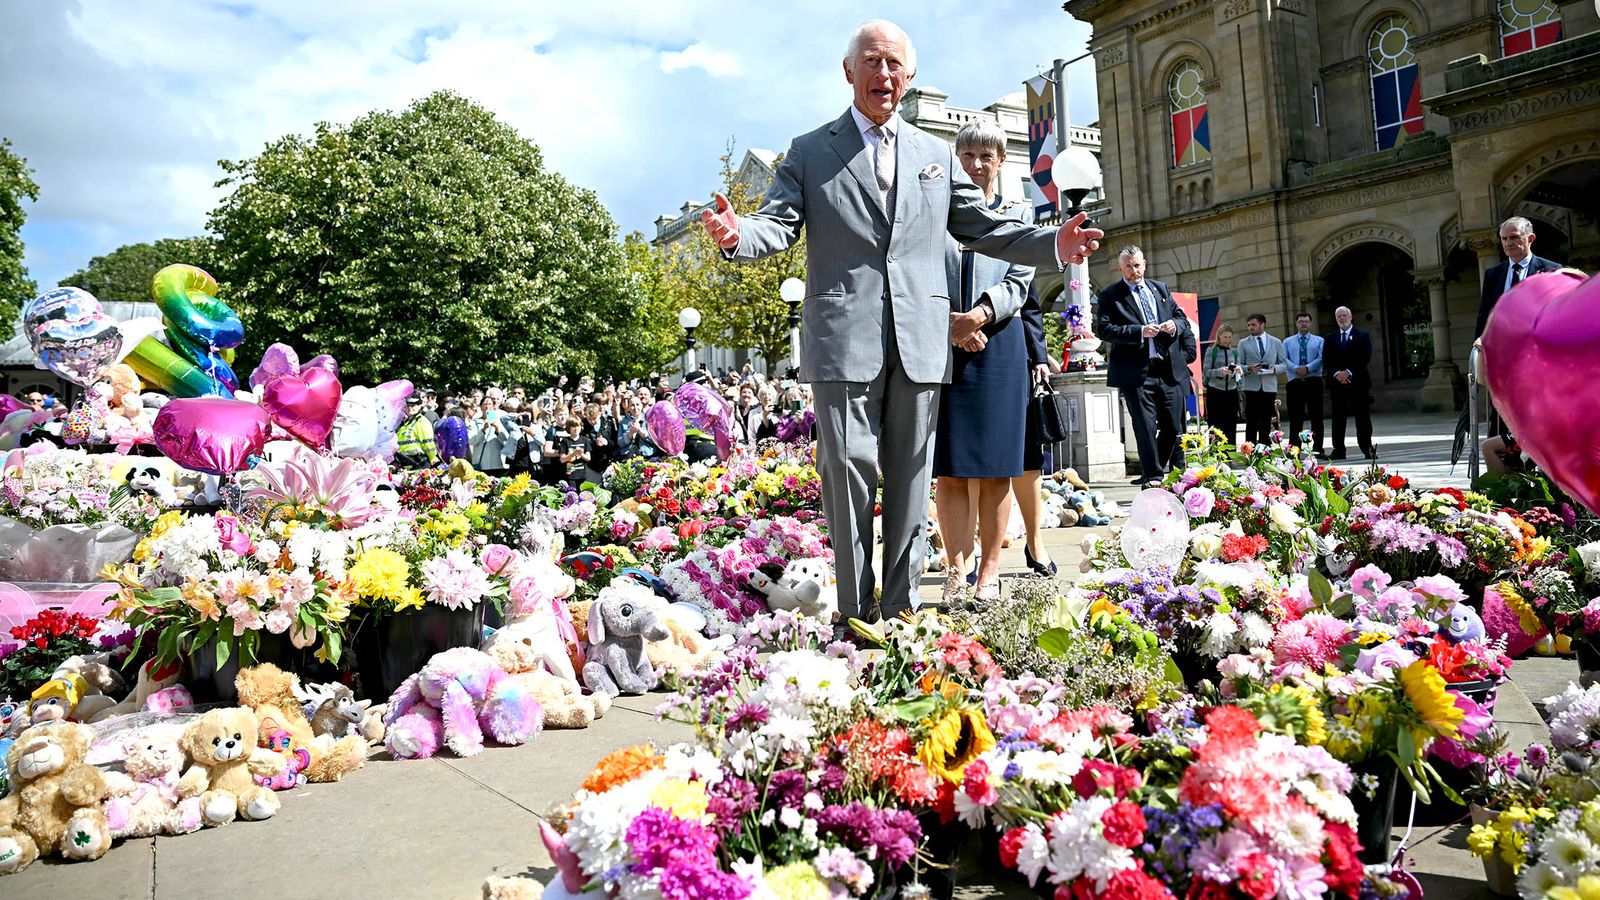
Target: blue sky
{"points": [[123, 109]]}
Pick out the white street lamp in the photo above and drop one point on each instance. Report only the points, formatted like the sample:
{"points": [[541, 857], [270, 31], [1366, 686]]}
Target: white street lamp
{"points": [[688, 320], [793, 291]]}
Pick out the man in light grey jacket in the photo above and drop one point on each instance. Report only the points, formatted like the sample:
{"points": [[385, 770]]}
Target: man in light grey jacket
{"points": [[878, 199], [1261, 354]]}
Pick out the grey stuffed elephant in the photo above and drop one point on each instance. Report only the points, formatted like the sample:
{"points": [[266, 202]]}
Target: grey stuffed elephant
{"points": [[621, 619]]}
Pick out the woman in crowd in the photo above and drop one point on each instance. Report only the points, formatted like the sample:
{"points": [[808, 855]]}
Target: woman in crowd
{"points": [[798, 418], [1223, 371], [753, 420], [489, 456], [980, 438], [633, 436]]}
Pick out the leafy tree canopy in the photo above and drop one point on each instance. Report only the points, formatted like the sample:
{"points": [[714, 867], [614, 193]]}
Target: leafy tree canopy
{"points": [[126, 272], [15, 286], [430, 244]]}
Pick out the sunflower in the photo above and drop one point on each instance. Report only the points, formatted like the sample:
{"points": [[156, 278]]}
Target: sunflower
{"points": [[954, 740], [1425, 688]]}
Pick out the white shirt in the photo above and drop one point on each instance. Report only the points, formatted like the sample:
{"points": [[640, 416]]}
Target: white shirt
{"points": [[865, 126], [1144, 297], [1511, 270]]}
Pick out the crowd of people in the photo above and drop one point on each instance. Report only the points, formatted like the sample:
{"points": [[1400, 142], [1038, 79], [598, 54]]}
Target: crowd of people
{"points": [[576, 428]]}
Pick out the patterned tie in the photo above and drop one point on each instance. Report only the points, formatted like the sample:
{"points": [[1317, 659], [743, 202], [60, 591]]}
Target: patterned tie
{"points": [[1303, 361], [883, 164], [1146, 307]]}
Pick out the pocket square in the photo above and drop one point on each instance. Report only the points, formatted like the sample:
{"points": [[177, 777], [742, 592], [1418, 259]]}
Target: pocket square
{"points": [[934, 170]]}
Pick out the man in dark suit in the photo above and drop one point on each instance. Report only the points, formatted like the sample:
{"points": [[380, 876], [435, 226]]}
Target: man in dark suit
{"points": [[1346, 353], [1516, 239], [1151, 347]]}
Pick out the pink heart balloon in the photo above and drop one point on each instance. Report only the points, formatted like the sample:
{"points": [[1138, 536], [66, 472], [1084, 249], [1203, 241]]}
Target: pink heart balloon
{"points": [[280, 359], [215, 435], [1542, 347], [305, 405]]}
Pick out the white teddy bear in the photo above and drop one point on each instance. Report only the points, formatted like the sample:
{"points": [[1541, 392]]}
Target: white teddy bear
{"points": [[806, 585]]}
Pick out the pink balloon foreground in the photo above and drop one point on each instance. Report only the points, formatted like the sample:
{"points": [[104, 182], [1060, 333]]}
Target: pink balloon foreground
{"points": [[665, 424], [304, 404], [214, 435], [1542, 346]]}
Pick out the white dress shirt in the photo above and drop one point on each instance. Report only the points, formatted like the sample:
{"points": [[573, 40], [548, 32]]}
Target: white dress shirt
{"points": [[1511, 270]]}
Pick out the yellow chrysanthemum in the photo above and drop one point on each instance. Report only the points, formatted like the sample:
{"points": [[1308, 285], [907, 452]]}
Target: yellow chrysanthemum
{"points": [[1526, 617], [380, 574], [1589, 887], [684, 799], [1425, 688], [953, 741], [410, 598], [768, 483], [797, 881]]}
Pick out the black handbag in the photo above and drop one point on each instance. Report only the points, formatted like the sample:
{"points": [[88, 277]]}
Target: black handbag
{"points": [[1047, 416]]}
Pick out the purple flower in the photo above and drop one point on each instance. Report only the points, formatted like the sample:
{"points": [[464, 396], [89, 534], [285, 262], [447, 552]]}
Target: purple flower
{"points": [[748, 716], [1538, 755]]}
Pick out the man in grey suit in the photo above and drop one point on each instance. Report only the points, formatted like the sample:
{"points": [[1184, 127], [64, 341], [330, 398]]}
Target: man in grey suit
{"points": [[1263, 359], [878, 200]]}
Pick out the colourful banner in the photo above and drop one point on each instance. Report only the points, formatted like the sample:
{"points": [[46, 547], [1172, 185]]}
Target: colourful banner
{"points": [[1042, 143]]}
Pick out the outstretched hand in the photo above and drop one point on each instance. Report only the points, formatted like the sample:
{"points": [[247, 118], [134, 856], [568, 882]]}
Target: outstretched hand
{"points": [[1074, 243], [722, 223]]}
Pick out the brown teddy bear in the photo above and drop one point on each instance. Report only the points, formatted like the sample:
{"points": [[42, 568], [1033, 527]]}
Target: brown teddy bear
{"points": [[565, 704], [270, 691], [222, 747], [54, 806]]}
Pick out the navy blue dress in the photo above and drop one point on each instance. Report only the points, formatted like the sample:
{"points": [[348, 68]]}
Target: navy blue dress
{"points": [[983, 411]]}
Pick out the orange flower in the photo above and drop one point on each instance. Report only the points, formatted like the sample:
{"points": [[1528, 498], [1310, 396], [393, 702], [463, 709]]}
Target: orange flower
{"points": [[201, 599], [620, 767]]}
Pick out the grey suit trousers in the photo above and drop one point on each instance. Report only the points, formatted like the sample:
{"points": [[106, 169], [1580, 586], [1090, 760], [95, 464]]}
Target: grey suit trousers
{"points": [[861, 426]]}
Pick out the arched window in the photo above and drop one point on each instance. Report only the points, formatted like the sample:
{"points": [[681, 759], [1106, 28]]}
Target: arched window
{"points": [[1528, 25], [1396, 89], [1191, 131]]}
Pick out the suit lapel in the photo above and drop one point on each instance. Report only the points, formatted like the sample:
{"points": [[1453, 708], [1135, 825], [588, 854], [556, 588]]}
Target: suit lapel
{"points": [[906, 189], [852, 150]]}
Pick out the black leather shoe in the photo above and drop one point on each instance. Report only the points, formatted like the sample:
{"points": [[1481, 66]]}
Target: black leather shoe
{"points": [[1337, 454], [1038, 567], [1370, 453]]}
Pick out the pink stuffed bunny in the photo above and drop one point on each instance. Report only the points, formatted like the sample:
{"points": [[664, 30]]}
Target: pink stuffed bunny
{"points": [[458, 697]]}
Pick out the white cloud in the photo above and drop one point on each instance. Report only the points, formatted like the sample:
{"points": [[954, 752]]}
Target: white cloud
{"points": [[124, 109], [719, 63]]}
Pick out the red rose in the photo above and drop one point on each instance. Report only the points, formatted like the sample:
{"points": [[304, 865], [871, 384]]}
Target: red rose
{"points": [[1124, 824], [1397, 483], [1010, 844], [1134, 884]]}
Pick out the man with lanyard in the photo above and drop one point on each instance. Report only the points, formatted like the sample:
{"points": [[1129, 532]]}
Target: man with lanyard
{"points": [[1304, 353]]}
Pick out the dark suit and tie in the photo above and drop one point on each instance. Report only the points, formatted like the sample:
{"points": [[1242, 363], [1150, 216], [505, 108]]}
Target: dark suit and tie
{"points": [[1350, 350], [1501, 278], [1152, 373]]}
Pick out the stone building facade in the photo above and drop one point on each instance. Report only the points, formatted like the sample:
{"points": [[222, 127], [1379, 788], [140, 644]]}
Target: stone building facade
{"points": [[1288, 155]]}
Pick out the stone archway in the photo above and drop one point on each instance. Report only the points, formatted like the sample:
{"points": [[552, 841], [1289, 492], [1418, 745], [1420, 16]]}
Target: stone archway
{"points": [[1377, 280]]}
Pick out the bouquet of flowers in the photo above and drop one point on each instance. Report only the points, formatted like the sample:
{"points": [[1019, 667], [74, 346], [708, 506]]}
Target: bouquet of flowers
{"points": [[65, 487], [717, 579], [43, 643]]}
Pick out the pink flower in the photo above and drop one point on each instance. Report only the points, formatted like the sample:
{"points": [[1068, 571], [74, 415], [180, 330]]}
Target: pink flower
{"points": [[975, 784], [232, 534], [659, 538], [496, 557], [278, 621]]}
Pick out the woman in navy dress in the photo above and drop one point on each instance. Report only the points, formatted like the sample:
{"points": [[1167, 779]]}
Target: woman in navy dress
{"points": [[979, 443]]}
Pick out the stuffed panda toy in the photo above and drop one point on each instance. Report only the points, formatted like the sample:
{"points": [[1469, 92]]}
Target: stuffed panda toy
{"points": [[144, 478]]}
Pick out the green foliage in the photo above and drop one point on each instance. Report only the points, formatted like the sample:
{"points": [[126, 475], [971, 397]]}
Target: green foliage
{"points": [[15, 286], [658, 339], [738, 302], [431, 244], [126, 272]]}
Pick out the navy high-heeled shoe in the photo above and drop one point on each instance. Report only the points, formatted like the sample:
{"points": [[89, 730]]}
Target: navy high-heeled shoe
{"points": [[1038, 568]]}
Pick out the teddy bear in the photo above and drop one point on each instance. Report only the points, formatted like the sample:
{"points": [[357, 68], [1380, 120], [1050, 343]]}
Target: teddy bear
{"points": [[150, 480], [539, 633], [805, 585], [271, 693], [144, 795], [55, 804], [155, 690], [224, 764], [622, 619], [564, 702], [458, 697], [104, 683], [1464, 625]]}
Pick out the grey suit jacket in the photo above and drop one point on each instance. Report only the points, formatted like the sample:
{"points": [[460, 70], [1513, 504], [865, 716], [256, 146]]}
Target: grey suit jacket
{"points": [[1005, 285], [864, 265], [1250, 354]]}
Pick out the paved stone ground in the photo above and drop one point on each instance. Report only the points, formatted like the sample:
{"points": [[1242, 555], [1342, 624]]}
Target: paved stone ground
{"points": [[437, 828]]}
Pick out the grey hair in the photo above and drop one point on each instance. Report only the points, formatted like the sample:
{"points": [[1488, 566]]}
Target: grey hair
{"points": [[981, 134], [1130, 250], [879, 26], [1522, 225]]}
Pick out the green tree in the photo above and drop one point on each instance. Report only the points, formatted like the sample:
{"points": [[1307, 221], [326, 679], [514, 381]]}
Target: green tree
{"points": [[431, 244], [660, 338], [738, 302], [15, 285], [126, 272]]}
